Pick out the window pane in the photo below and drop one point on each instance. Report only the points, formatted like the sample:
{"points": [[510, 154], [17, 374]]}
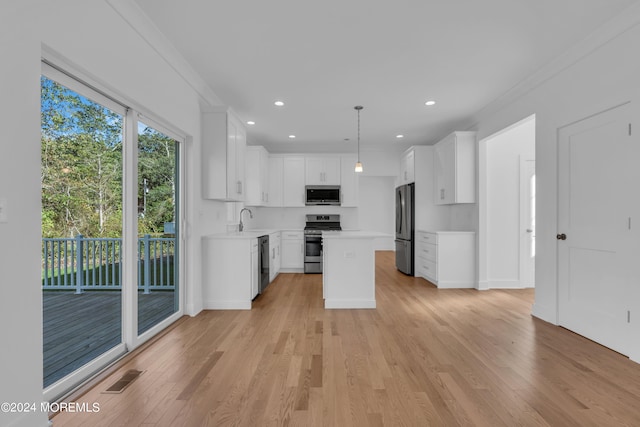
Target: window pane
{"points": [[157, 227], [81, 145]]}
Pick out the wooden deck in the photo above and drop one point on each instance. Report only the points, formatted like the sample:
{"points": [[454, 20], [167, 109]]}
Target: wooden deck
{"points": [[78, 328]]}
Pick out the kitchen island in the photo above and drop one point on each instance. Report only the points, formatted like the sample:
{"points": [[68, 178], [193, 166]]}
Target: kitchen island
{"points": [[231, 272], [348, 276]]}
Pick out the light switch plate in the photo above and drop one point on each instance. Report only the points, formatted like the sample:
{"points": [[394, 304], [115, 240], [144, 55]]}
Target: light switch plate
{"points": [[4, 214]]}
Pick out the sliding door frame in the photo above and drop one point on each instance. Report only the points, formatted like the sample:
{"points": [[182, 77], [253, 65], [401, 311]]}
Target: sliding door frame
{"points": [[78, 82]]}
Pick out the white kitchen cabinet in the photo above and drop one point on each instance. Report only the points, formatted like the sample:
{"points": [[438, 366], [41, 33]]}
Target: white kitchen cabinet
{"points": [[257, 176], [407, 167], [276, 183], [293, 181], [322, 171], [224, 141], [349, 181], [274, 255], [292, 245], [229, 273], [446, 258], [455, 169]]}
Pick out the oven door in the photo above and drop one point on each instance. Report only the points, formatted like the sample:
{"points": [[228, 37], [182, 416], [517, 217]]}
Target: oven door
{"points": [[313, 248]]}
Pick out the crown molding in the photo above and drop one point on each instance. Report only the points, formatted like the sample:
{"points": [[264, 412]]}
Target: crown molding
{"points": [[603, 35], [139, 22]]}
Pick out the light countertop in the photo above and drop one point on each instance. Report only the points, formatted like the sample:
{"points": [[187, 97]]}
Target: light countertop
{"points": [[359, 234], [247, 234]]}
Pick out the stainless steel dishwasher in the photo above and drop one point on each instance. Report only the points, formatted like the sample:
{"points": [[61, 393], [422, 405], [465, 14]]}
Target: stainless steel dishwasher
{"points": [[263, 262]]}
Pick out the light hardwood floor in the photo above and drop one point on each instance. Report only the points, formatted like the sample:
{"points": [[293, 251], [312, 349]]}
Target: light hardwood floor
{"points": [[423, 357]]}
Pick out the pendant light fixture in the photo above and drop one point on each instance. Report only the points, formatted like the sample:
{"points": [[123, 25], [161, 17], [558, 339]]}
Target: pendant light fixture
{"points": [[358, 164]]}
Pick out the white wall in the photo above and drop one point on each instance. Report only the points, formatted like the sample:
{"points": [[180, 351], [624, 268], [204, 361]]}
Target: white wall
{"points": [[502, 170], [376, 211], [600, 73], [20, 237], [294, 218], [93, 39]]}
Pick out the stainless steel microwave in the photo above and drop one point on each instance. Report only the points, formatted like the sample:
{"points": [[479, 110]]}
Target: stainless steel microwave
{"points": [[316, 195]]}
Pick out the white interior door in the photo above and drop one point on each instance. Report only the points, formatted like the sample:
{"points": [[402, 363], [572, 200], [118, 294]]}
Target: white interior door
{"points": [[597, 181], [527, 222]]}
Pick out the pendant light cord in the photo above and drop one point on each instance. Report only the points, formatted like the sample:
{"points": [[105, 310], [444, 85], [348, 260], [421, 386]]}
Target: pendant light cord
{"points": [[358, 108]]}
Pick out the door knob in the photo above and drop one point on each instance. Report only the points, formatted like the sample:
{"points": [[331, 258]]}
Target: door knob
{"points": [[561, 236], [529, 230]]}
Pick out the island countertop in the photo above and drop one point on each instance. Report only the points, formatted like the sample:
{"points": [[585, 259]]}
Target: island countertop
{"points": [[353, 234]]}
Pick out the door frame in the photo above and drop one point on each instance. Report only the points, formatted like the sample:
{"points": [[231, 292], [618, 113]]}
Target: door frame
{"points": [[524, 194], [59, 70], [482, 241]]}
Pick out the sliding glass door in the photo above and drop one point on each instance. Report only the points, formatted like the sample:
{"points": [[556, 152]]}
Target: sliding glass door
{"points": [[158, 240], [81, 148], [110, 229]]}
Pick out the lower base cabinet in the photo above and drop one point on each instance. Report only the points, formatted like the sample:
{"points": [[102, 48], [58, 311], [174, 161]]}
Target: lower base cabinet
{"points": [[292, 245], [275, 256], [229, 273], [446, 258]]}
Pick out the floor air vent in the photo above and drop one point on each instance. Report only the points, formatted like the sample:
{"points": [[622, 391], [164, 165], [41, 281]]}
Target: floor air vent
{"points": [[124, 382]]}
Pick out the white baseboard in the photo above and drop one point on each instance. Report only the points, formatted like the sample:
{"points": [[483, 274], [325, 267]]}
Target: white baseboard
{"points": [[483, 285], [190, 310], [455, 285], [227, 305], [292, 270], [356, 303], [504, 284], [546, 313]]}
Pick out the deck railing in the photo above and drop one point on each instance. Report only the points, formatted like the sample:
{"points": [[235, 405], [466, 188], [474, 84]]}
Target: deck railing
{"points": [[84, 263]]}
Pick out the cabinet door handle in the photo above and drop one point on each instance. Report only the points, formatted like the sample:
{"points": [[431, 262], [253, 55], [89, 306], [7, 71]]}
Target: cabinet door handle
{"points": [[442, 194]]}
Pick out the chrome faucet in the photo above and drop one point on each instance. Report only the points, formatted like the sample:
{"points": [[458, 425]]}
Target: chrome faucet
{"points": [[241, 225]]}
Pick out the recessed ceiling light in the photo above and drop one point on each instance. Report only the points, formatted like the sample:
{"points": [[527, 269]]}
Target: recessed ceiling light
{"points": [[399, 136], [251, 122], [430, 103], [279, 103], [292, 136]]}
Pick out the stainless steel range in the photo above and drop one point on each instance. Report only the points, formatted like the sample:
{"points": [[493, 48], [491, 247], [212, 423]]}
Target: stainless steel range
{"points": [[313, 229]]}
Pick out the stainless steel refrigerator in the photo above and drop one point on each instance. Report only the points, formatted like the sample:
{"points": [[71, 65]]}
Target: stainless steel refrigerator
{"points": [[405, 211]]}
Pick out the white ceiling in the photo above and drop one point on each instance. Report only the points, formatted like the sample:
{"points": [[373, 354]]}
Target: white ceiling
{"points": [[324, 57]]}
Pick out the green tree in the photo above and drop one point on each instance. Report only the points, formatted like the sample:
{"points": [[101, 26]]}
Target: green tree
{"points": [[156, 165], [81, 151], [82, 168]]}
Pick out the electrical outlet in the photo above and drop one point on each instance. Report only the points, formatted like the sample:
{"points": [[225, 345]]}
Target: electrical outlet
{"points": [[4, 215]]}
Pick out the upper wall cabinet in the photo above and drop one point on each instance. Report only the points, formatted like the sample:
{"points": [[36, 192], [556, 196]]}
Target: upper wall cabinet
{"points": [[407, 167], [322, 171], [276, 183], [257, 176], [455, 169], [293, 182], [224, 142]]}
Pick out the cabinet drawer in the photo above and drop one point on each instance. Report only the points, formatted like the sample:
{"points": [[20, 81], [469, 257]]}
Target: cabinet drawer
{"points": [[426, 237], [289, 235], [428, 270], [427, 251]]}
